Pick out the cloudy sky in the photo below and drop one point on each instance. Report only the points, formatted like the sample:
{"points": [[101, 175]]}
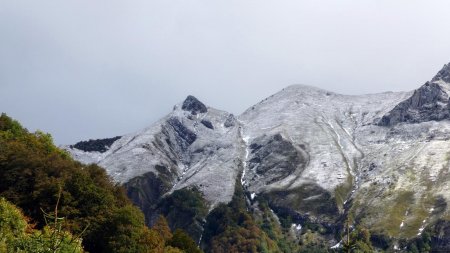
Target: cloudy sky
{"points": [[83, 69]]}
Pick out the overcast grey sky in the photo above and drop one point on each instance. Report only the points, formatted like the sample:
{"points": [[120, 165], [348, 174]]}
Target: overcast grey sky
{"points": [[91, 69]]}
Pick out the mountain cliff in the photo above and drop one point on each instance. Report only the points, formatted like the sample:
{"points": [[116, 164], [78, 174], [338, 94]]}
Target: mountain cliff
{"points": [[316, 157], [429, 102]]}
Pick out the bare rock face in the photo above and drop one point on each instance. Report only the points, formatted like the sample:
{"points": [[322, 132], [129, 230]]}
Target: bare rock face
{"points": [[99, 145], [183, 136], [207, 124], [193, 105], [429, 102], [443, 74], [230, 121], [442, 241], [304, 208], [273, 158], [146, 190]]}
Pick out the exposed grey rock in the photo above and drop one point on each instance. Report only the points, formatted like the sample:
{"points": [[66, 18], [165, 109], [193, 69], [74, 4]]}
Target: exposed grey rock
{"points": [[441, 242], [146, 190], [184, 136], [298, 200], [273, 158], [230, 121], [429, 102], [99, 145], [207, 124], [443, 74], [193, 105]]}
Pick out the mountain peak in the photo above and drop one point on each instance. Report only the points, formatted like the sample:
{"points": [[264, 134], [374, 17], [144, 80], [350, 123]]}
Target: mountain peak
{"points": [[193, 105], [443, 74], [304, 88], [429, 102]]}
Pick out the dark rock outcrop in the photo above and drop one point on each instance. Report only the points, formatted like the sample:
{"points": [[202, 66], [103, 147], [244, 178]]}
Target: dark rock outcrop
{"points": [[99, 145], [316, 203], [230, 121], [175, 139], [185, 209], [429, 102], [207, 124], [443, 74], [275, 158], [146, 190], [440, 241], [184, 137], [193, 105]]}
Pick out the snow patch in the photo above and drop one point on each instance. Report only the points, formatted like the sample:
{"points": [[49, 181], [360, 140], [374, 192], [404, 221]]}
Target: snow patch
{"points": [[297, 226], [337, 246], [247, 153]]}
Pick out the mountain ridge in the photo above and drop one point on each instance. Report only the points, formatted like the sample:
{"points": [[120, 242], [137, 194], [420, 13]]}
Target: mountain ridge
{"points": [[429, 102], [310, 153]]}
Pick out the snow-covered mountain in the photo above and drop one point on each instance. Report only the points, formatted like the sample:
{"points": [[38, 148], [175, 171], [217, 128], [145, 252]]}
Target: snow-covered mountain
{"points": [[382, 158], [193, 145]]}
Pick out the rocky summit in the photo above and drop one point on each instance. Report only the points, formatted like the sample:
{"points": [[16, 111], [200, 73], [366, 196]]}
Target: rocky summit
{"points": [[193, 105], [429, 102], [315, 156]]}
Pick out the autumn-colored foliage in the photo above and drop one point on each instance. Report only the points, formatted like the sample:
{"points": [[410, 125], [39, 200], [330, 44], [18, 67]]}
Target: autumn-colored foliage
{"points": [[34, 172]]}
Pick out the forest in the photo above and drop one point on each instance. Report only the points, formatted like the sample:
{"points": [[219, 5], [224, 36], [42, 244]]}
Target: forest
{"points": [[51, 203]]}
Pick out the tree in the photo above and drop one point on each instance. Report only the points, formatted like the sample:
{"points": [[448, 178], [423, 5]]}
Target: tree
{"points": [[18, 236], [151, 242], [162, 227], [32, 171], [231, 228], [36, 176], [49, 240], [125, 230], [185, 209], [358, 240], [12, 225], [182, 241]]}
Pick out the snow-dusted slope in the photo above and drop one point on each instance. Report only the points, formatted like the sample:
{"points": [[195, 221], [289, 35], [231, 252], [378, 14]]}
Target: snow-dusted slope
{"points": [[346, 156], [323, 125], [382, 157], [193, 146]]}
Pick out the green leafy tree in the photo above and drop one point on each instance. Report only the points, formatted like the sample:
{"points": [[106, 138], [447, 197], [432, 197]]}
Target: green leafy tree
{"points": [[125, 229], [33, 169], [231, 228], [185, 209], [182, 241], [36, 176], [18, 236], [357, 241], [170, 249], [13, 225], [49, 240]]}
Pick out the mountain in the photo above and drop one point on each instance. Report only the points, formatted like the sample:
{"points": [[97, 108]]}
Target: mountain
{"points": [[316, 157], [429, 102]]}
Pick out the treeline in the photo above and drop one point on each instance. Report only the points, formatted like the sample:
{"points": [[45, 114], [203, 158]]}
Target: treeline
{"points": [[38, 179]]}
